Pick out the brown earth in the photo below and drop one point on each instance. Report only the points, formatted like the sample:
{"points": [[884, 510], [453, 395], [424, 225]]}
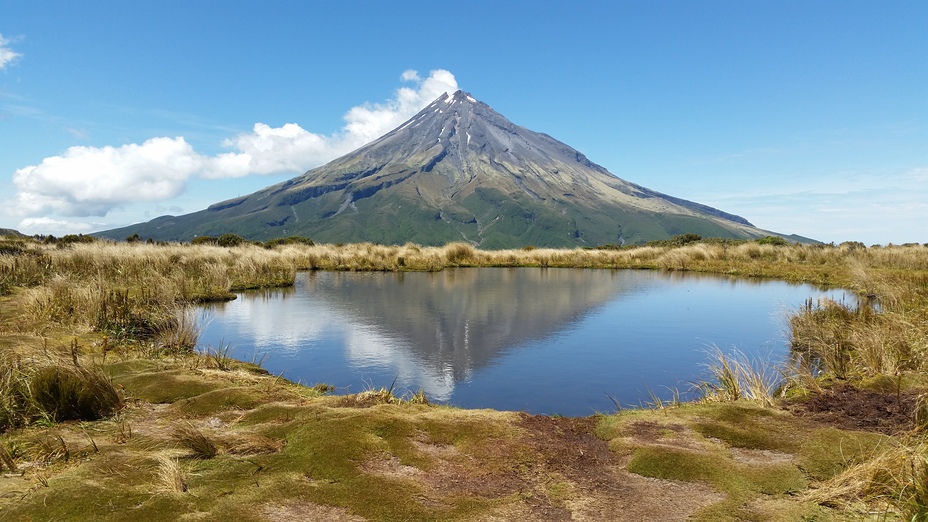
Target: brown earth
{"points": [[602, 488], [847, 407], [566, 474]]}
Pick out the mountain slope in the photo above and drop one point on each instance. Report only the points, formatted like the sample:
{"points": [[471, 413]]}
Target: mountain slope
{"points": [[458, 170]]}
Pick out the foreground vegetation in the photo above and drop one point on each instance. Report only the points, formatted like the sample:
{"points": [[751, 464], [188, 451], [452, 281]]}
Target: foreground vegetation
{"points": [[107, 409]]}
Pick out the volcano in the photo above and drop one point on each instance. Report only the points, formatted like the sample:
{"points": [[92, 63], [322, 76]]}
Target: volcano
{"points": [[456, 171]]}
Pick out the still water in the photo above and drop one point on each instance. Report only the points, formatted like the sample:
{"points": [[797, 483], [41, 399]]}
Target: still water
{"points": [[553, 341]]}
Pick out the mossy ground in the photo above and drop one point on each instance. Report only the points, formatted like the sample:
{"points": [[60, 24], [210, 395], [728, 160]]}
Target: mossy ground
{"points": [[286, 451]]}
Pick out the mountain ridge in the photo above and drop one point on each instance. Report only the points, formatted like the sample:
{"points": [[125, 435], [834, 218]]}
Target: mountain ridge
{"points": [[457, 170]]}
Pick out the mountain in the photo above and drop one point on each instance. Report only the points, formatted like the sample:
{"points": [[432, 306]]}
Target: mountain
{"points": [[10, 232], [456, 171]]}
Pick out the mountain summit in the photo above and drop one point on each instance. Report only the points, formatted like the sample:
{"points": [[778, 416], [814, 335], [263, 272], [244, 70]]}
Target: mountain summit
{"points": [[456, 171]]}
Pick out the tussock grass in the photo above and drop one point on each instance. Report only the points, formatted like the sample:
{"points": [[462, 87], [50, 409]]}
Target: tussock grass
{"points": [[53, 390], [14, 392], [171, 475], [220, 357], [893, 482], [191, 438], [73, 393], [734, 377]]}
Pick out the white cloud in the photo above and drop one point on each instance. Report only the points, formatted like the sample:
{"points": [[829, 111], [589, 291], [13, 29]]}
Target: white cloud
{"points": [[7, 55], [368, 122], [270, 150], [55, 227], [290, 148], [410, 75], [91, 181]]}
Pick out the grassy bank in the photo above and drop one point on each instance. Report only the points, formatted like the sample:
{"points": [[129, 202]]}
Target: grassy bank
{"points": [[107, 410]]}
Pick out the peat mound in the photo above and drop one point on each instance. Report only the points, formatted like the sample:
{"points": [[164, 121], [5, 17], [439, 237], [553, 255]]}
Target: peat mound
{"points": [[847, 407]]}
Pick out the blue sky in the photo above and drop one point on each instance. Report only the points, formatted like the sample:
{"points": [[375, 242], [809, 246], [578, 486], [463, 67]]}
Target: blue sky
{"points": [[806, 117]]}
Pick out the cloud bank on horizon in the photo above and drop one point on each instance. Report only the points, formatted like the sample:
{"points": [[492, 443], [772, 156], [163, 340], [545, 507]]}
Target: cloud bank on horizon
{"points": [[92, 181]]}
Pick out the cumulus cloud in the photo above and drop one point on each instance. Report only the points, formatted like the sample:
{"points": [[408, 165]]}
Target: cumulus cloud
{"points": [[270, 150], [368, 122], [55, 226], [290, 148], [7, 55], [92, 181]]}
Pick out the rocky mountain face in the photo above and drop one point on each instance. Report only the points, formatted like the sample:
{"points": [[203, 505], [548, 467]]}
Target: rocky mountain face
{"points": [[456, 171]]}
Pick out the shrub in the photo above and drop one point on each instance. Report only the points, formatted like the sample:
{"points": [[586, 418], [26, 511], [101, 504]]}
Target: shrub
{"points": [[290, 240], [230, 240], [678, 240], [772, 240], [75, 238], [853, 245], [203, 240]]}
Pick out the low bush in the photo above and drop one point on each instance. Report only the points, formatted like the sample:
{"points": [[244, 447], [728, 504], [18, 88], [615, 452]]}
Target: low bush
{"points": [[772, 240], [230, 240], [203, 240], [290, 240]]}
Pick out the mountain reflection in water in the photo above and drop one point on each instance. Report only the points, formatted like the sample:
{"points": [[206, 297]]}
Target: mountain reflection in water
{"points": [[540, 340]]}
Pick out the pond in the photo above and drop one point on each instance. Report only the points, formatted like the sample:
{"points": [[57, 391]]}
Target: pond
{"points": [[552, 341]]}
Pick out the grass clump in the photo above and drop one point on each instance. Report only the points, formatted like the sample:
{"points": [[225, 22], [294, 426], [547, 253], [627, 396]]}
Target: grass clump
{"points": [[891, 482], [73, 393], [171, 475], [220, 357], [735, 377], [14, 392], [53, 391], [191, 438]]}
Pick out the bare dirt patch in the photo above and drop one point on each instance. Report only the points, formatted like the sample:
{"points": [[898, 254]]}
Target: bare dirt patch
{"points": [[847, 407], [600, 488], [555, 469], [756, 457], [298, 511], [673, 435]]}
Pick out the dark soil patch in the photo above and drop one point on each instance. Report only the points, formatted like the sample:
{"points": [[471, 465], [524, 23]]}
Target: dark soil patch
{"points": [[567, 444], [602, 489], [650, 430], [846, 407]]}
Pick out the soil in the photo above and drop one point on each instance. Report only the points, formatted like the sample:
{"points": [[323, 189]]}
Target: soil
{"points": [[566, 447], [566, 474], [847, 407]]}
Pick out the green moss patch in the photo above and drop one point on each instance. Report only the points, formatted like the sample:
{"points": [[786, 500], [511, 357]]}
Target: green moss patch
{"points": [[716, 469], [165, 386], [825, 452], [761, 458], [216, 401]]}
